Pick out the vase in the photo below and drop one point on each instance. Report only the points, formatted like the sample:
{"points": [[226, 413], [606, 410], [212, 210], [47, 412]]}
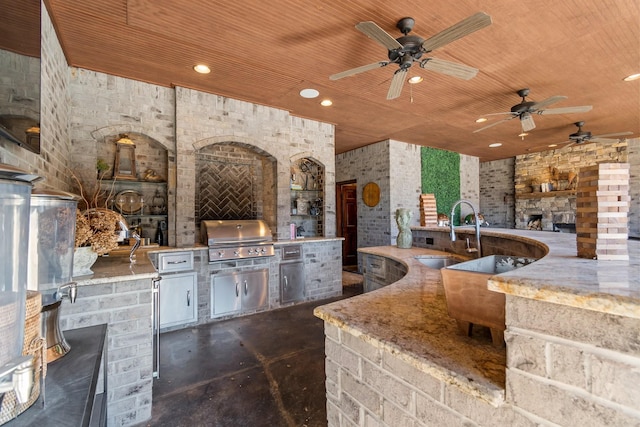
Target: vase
{"points": [[83, 259], [403, 217]]}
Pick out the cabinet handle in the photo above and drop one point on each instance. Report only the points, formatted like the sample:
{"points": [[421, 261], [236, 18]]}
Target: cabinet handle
{"points": [[177, 262], [286, 282], [237, 290], [188, 298], [245, 287]]}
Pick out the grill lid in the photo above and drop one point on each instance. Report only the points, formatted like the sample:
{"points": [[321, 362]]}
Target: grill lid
{"points": [[221, 232]]}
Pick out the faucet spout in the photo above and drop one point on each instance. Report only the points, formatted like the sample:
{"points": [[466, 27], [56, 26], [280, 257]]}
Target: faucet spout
{"points": [[452, 231]]}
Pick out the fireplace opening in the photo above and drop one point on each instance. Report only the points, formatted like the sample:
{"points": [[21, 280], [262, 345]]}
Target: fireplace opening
{"points": [[534, 222], [564, 227]]}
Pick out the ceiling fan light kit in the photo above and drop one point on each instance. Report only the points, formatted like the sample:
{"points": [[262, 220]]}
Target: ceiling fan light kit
{"points": [[409, 49]]}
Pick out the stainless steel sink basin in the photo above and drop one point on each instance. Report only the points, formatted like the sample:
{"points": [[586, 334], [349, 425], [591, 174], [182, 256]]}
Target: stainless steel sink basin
{"points": [[469, 301], [494, 264], [438, 261]]}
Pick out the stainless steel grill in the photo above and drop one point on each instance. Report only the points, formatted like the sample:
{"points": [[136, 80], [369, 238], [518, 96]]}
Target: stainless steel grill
{"points": [[231, 239]]}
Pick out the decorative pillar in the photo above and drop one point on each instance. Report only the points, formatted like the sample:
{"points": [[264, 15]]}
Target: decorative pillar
{"points": [[602, 206]]}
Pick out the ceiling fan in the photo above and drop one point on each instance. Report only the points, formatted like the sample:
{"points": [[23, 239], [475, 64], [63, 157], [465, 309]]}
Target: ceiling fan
{"points": [[406, 50], [525, 110], [582, 136], [585, 136]]}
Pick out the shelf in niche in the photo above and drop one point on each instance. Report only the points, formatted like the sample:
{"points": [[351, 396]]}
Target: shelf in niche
{"points": [[305, 191], [127, 182], [306, 216], [138, 216], [540, 194]]}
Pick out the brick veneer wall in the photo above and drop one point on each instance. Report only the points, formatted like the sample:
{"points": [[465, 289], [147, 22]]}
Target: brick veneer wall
{"points": [[205, 119], [126, 308], [55, 144], [554, 375], [497, 202], [369, 164]]}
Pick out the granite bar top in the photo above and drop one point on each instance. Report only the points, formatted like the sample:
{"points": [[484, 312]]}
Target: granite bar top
{"points": [[116, 267], [409, 318], [561, 277]]}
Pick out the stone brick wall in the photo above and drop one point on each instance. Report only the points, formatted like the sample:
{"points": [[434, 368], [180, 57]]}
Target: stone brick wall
{"points": [[538, 166], [404, 182], [369, 164], [126, 308], [633, 156], [55, 144], [553, 376], [469, 183], [497, 202], [284, 137], [104, 106]]}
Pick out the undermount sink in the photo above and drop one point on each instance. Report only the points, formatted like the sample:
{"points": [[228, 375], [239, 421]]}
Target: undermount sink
{"points": [[469, 301], [438, 261]]}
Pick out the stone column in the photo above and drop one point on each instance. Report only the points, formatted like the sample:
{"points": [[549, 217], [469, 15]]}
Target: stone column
{"points": [[602, 206]]}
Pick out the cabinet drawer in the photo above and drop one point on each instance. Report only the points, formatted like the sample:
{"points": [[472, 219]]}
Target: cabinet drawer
{"points": [[175, 261], [375, 266]]}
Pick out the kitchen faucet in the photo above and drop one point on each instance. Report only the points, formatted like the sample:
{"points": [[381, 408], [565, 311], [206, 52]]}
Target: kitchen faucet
{"points": [[477, 225], [131, 233]]}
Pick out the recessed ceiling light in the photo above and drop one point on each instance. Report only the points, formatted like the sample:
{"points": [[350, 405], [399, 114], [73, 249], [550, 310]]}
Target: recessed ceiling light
{"points": [[552, 145], [202, 69], [309, 93], [326, 102], [495, 144], [481, 120], [523, 134], [415, 79], [632, 77]]}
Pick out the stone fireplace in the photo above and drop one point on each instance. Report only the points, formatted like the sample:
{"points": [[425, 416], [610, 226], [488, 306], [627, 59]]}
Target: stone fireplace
{"points": [[554, 210]]}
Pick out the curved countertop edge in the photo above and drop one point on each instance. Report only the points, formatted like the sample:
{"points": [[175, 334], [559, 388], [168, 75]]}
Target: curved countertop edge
{"points": [[561, 277], [431, 342]]}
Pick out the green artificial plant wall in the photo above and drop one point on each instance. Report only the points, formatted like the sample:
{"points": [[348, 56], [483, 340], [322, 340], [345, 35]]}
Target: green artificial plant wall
{"points": [[441, 176]]}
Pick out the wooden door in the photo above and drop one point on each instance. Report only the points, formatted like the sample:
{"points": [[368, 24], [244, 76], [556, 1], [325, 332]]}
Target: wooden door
{"points": [[347, 221]]}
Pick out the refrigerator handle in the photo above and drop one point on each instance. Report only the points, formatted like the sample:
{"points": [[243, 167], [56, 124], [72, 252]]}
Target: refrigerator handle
{"points": [[155, 320]]}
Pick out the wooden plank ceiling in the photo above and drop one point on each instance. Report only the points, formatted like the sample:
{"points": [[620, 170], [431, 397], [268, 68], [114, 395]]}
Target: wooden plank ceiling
{"points": [[266, 52]]}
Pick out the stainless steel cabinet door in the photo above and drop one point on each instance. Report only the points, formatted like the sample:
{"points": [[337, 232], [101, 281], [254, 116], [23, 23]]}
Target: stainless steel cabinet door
{"points": [[291, 282], [225, 294], [178, 299], [254, 289]]}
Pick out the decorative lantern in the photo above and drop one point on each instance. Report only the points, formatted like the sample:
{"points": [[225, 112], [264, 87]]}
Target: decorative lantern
{"points": [[125, 164]]}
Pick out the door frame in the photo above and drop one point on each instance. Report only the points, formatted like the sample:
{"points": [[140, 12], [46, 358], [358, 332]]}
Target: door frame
{"points": [[340, 206]]}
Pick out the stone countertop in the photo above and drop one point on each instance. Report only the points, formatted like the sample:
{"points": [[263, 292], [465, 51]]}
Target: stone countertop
{"points": [[409, 318], [117, 268], [561, 277]]}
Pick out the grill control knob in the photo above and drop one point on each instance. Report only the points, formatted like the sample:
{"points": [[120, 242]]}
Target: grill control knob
{"points": [[263, 250], [251, 251], [236, 252], [220, 254]]}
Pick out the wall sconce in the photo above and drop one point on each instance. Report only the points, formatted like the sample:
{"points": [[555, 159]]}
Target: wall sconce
{"points": [[125, 164]]}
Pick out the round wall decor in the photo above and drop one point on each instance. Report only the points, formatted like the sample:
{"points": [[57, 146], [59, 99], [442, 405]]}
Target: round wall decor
{"points": [[371, 194]]}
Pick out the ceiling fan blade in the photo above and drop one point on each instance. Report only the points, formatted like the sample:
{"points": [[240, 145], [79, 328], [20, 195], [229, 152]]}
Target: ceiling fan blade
{"points": [[358, 70], [453, 69], [373, 31], [567, 110], [546, 102], [463, 28], [608, 135], [397, 82], [526, 120], [513, 116]]}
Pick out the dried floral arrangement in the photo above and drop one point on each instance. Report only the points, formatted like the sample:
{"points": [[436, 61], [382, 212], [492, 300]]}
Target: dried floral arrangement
{"points": [[96, 226]]}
